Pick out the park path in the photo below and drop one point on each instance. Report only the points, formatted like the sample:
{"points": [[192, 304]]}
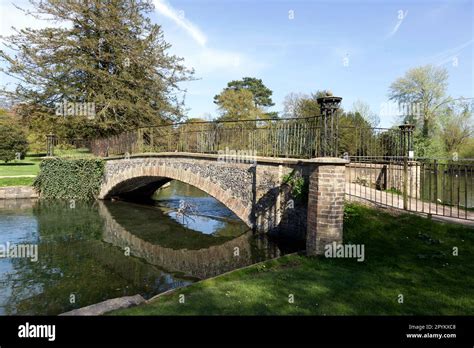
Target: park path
{"points": [[393, 200]]}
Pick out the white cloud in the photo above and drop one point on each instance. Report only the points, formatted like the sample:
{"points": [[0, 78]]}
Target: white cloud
{"points": [[449, 55], [178, 17], [205, 60]]}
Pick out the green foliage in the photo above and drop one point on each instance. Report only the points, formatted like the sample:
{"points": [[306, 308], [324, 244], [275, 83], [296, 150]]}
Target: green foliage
{"points": [[299, 186], [350, 212], [70, 178], [425, 87], [238, 105], [300, 105], [350, 140], [467, 149], [111, 56], [12, 141], [261, 94], [456, 126]]}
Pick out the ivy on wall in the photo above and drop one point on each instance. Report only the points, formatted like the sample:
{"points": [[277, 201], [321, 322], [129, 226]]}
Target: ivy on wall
{"points": [[299, 186], [70, 178]]}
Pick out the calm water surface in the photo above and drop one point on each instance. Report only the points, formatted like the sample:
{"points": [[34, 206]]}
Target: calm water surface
{"points": [[101, 250]]}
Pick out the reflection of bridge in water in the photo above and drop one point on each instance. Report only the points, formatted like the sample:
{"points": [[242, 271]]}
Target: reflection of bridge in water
{"points": [[241, 251]]}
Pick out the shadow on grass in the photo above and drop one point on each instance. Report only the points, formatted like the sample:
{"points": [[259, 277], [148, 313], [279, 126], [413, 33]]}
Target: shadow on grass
{"points": [[13, 164]]}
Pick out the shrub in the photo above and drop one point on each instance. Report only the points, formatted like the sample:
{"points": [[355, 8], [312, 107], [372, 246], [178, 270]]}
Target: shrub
{"points": [[299, 186], [70, 178], [12, 141]]}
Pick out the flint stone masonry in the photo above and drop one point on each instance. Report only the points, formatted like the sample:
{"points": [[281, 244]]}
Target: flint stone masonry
{"points": [[255, 193]]}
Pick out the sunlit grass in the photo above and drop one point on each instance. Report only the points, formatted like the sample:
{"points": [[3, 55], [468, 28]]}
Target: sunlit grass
{"points": [[16, 182], [405, 255], [27, 166]]}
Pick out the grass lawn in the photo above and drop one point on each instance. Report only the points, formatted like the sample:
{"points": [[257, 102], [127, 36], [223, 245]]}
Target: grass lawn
{"points": [[28, 166], [407, 255], [16, 181], [31, 166]]}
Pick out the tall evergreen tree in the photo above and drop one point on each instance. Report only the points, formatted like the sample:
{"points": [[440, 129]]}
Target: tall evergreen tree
{"points": [[262, 95], [105, 52]]}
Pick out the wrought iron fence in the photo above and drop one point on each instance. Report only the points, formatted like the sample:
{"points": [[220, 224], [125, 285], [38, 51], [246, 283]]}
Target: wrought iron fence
{"points": [[295, 137], [55, 145], [384, 170], [430, 186]]}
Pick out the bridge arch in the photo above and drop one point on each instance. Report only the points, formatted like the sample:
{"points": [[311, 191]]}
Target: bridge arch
{"points": [[136, 177]]}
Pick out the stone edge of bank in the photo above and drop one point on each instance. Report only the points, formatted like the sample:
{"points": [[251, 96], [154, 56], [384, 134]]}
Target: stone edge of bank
{"points": [[107, 306], [18, 192]]}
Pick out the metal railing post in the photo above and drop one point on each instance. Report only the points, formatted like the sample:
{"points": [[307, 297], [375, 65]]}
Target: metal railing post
{"points": [[50, 139], [329, 106]]}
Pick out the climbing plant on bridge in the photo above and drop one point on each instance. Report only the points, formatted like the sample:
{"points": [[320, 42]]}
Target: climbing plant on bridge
{"points": [[70, 178]]}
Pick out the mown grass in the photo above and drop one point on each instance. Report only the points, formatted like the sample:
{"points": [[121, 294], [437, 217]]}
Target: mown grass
{"points": [[28, 166], [16, 182], [404, 255]]}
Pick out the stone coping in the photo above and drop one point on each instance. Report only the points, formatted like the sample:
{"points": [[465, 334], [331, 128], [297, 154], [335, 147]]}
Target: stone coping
{"points": [[269, 160], [107, 306], [18, 192]]}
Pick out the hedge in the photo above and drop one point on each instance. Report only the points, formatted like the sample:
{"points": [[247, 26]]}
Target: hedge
{"points": [[70, 178]]}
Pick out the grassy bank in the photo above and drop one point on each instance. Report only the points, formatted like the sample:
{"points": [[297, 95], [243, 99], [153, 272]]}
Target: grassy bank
{"points": [[405, 255], [16, 172]]}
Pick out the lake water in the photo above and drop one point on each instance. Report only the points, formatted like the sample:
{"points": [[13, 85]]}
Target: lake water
{"points": [[90, 252]]}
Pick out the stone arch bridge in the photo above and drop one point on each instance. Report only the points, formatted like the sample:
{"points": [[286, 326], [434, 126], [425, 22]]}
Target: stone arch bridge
{"points": [[258, 192]]}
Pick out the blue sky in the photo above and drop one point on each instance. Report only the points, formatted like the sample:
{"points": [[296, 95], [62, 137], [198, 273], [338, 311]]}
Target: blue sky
{"points": [[228, 39], [306, 53]]}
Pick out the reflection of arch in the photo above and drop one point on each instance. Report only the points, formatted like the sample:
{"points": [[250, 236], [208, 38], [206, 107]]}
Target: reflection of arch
{"points": [[149, 178], [200, 263]]}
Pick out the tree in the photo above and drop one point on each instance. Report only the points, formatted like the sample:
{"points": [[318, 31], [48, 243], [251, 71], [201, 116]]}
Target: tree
{"points": [[456, 126], [12, 141], [363, 109], [110, 55], [262, 95], [354, 134], [237, 105], [299, 105], [420, 92], [291, 104]]}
